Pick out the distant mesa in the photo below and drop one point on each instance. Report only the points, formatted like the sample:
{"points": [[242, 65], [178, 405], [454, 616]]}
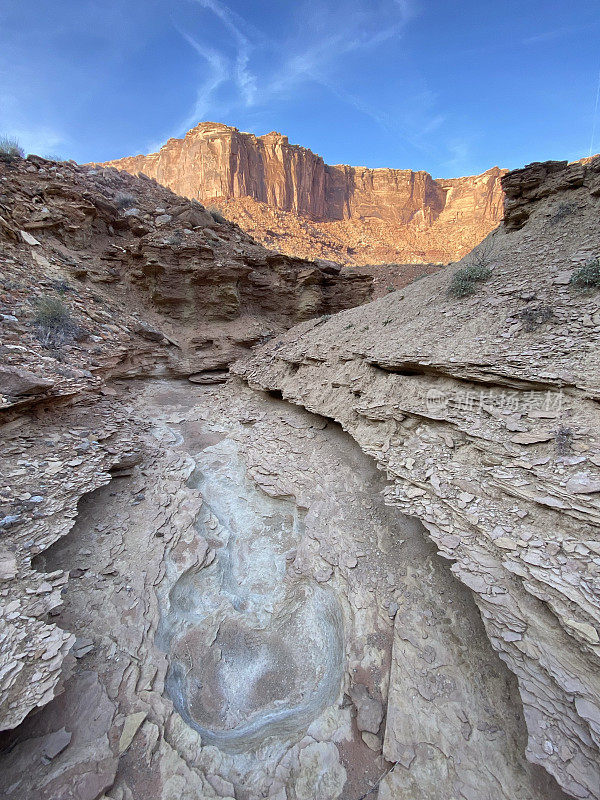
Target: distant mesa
{"points": [[288, 198]]}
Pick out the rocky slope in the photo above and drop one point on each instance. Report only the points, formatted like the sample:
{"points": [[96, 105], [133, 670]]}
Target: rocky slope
{"points": [[125, 254], [483, 412], [288, 198]]}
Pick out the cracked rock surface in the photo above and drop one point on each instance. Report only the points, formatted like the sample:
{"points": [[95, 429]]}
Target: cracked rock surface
{"points": [[257, 622]]}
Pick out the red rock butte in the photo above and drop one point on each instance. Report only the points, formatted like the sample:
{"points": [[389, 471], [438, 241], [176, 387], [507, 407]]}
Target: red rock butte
{"points": [[287, 197]]}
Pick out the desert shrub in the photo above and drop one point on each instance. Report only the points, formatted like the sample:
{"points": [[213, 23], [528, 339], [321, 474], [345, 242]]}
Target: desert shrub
{"points": [[216, 214], [464, 281], [10, 150], [52, 322], [564, 441], [535, 315], [124, 200], [587, 277]]}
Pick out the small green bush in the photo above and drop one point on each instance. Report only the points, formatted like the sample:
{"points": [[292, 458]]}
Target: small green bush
{"points": [[216, 214], [53, 324], [587, 277], [10, 150], [564, 441], [464, 281], [124, 200]]}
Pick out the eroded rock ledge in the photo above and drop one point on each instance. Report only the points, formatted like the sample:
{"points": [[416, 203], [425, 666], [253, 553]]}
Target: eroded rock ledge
{"points": [[154, 284], [483, 413]]}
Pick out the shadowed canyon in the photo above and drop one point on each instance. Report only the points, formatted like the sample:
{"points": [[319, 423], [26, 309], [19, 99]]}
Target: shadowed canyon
{"points": [[263, 535]]}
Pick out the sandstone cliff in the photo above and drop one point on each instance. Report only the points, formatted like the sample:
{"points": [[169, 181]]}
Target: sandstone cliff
{"points": [[403, 215]]}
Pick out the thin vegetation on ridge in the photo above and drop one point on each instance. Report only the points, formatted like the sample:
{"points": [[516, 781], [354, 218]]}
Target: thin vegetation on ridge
{"points": [[464, 281], [53, 324], [587, 277], [10, 150]]}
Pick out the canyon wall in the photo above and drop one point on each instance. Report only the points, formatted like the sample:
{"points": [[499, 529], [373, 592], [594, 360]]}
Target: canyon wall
{"points": [[207, 591], [215, 163], [483, 412]]}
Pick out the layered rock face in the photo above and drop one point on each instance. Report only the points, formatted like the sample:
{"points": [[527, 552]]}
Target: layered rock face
{"points": [[484, 414], [218, 164], [216, 160], [134, 258]]}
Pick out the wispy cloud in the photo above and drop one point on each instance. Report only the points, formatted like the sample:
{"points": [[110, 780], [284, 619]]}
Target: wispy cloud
{"points": [[223, 69], [327, 39], [551, 35], [219, 73], [459, 151], [320, 50], [246, 81], [312, 54], [380, 117]]}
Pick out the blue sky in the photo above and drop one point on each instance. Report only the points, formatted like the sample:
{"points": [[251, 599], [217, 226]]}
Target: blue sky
{"points": [[450, 87]]}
